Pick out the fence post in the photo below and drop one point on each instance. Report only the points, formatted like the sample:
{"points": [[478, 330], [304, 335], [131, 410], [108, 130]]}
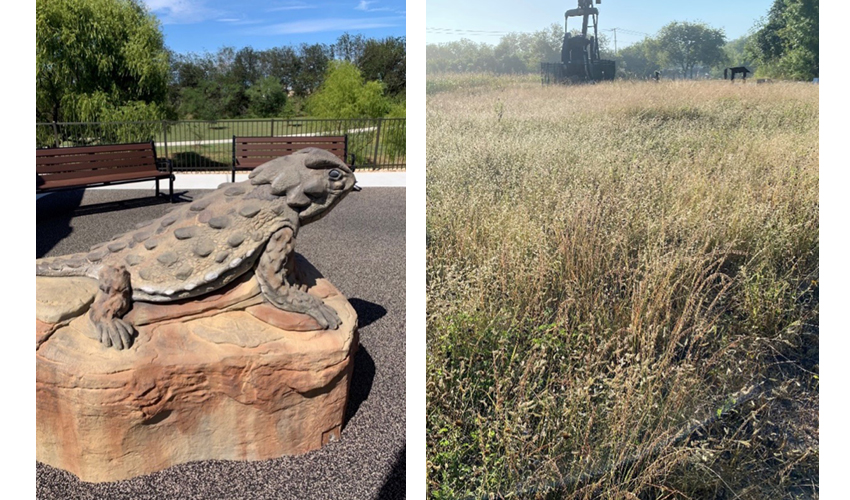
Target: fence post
{"points": [[377, 139], [165, 138], [272, 131], [55, 134]]}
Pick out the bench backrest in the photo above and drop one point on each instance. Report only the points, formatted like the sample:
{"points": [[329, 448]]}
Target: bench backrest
{"points": [[250, 152], [86, 162]]}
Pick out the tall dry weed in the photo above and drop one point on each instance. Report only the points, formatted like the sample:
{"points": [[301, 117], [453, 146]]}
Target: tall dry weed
{"points": [[622, 289]]}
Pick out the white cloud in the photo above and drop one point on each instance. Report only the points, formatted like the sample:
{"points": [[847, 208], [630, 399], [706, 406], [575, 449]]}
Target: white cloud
{"points": [[181, 11], [292, 6], [364, 6], [239, 22], [338, 24]]}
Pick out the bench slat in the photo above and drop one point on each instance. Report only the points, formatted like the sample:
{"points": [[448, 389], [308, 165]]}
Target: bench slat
{"points": [[100, 157], [49, 183], [92, 149], [85, 166], [95, 166], [250, 164], [251, 152], [291, 138], [83, 174], [260, 148]]}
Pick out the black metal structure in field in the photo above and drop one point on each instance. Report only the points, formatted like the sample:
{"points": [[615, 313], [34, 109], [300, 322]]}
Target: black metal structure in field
{"points": [[738, 70], [580, 60]]}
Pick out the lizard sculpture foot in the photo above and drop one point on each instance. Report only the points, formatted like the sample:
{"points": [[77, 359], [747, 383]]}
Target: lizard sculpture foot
{"points": [[111, 302], [325, 315], [115, 333]]}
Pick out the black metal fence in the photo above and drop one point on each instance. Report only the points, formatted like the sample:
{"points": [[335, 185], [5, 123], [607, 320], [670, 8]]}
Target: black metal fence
{"points": [[375, 143]]}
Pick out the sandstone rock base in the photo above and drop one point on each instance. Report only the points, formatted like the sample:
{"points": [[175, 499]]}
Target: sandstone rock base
{"points": [[216, 379]]}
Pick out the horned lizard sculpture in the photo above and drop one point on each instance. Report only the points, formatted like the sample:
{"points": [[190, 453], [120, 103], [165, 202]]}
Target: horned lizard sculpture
{"points": [[198, 248]]}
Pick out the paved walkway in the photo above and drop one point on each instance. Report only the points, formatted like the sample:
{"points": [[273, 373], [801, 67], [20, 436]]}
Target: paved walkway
{"points": [[360, 248]]}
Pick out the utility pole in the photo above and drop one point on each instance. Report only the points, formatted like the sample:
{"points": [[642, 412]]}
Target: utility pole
{"points": [[615, 38]]}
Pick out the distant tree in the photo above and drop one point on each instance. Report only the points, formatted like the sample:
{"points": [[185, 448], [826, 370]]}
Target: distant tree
{"points": [[737, 54], [313, 63], [349, 48], [199, 102], [385, 61], [686, 45], [514, 53], [246, 67], [99, 60], [801, 39], [282, 63], [639, 60], [786, 44], [766, 44], [546, 45], [267, 98], [345, 95], [188, 70], [459, 56], [231, 83]]}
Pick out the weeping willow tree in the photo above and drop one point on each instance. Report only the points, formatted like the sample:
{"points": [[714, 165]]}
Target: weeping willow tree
{"points": [[99, 61]]}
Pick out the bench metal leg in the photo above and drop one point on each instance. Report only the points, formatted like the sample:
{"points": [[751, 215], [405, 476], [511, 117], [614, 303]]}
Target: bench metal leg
{"points": [[157, 187], [171, 189]]}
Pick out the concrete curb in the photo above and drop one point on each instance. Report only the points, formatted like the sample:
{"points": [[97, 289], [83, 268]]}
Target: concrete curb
{"points": [[183, 182]]}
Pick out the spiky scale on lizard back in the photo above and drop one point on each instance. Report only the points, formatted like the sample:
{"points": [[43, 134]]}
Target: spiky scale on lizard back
{"points": [[200, 247]]}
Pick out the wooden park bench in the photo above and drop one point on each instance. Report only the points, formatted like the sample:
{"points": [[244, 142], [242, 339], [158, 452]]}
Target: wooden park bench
{"points": [[251, 152], [89, 166]]}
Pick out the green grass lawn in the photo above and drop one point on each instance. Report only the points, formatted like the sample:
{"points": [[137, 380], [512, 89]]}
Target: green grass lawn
{"points": [[188, 142]]}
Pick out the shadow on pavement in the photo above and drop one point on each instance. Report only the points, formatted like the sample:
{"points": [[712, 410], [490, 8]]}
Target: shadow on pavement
{"points": [[395, 485], [361, 382], [64, 206], [57, 209], [364, 365], [367, 312]]}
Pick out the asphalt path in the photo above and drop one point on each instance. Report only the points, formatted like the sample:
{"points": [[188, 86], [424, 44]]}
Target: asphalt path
{"points": [[360, 248]]}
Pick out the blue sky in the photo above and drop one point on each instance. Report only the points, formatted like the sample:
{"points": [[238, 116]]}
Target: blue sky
{"points": [[445, 18], [207, 25]]}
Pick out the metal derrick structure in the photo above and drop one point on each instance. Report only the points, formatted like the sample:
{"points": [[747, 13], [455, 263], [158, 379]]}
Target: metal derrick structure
{"points": [[580, 60]]}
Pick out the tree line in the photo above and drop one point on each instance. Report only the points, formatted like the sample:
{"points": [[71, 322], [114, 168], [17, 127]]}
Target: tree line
{"points": [[283, 81], [105, 60], [784, 44]]}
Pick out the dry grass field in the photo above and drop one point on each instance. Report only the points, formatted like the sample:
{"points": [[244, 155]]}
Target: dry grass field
{"points": [[622, 289]]}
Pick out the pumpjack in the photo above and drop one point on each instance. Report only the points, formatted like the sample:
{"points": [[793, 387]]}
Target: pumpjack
{"points": [[580, 60]]}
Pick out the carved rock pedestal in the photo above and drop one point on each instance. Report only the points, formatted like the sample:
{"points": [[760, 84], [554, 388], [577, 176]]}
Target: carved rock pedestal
{"points": [[227, 377]]}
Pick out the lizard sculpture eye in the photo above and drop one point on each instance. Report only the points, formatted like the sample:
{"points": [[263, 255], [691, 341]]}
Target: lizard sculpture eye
{"points": [[335, 175]]}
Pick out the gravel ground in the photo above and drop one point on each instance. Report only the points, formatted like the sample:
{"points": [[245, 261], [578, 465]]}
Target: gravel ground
{"points": [[360, 248]]}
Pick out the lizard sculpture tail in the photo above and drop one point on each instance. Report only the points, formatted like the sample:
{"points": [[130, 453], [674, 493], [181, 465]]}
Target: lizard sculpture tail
{"points": [[67, 265]]}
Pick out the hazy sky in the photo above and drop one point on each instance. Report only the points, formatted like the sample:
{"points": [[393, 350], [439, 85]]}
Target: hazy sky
{"points": [[207, 25], [648, 16]]}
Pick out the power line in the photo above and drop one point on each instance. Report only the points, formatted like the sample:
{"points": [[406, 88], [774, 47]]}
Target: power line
{"points": [[459, 31], [453, 31], [628, 32]]}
